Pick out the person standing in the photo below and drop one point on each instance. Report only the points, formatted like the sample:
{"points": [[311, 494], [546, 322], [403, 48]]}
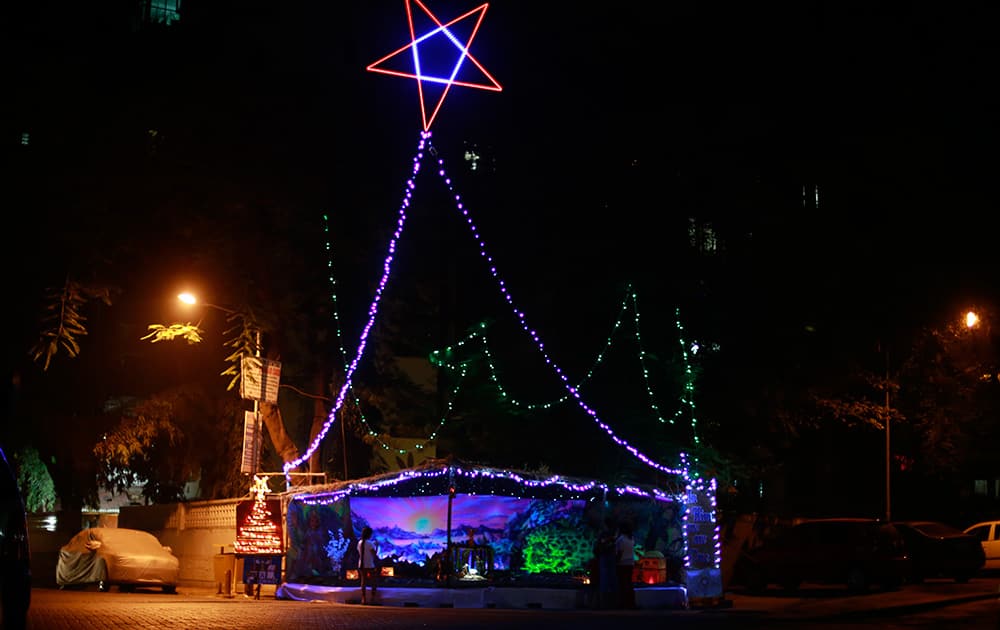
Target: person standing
{"points": [[607, 559], [367, 563], [625, 550]]}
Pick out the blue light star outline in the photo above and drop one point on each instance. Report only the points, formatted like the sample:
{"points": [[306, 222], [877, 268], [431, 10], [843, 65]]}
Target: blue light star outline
{"points": [[490, 83]]}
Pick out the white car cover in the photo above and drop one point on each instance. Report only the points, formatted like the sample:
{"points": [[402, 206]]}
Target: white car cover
{"points": [[117, 556]]}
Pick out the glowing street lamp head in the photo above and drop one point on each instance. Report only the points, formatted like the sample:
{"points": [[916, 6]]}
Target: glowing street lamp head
{"points": [[971, 319], [187, 298]]}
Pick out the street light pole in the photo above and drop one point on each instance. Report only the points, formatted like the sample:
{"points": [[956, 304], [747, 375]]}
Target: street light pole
{"points": [[189, 298], [256, 419], [888, 454]]}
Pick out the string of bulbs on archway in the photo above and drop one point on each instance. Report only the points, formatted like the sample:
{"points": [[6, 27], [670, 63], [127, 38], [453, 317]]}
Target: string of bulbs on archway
{"points": [[573, 393], [457, 35], [686, 403]]}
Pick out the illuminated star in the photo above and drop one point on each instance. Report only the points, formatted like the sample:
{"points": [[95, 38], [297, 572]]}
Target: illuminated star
{"points": [[431, 44], [259, 488]]}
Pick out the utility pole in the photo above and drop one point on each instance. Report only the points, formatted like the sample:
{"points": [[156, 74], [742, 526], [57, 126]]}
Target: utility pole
{"points": [[888, 453]]}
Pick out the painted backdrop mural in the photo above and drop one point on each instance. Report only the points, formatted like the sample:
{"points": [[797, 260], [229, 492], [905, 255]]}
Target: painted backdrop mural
{"points": [[524, 535], [414, 530]]}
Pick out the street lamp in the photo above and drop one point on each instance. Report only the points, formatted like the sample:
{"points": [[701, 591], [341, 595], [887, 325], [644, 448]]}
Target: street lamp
{"points": [[191, 299], [888, 452]]}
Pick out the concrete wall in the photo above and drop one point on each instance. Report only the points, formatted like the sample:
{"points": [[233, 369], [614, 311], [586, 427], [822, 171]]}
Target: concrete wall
{"points": [[201, 535]]}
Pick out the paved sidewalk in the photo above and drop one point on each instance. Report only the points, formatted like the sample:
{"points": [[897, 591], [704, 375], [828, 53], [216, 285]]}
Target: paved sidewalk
{"points": [[205, 609], [809, 602], [822, 602]]}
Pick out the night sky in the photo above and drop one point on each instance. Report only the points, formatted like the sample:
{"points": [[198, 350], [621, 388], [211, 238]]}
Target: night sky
{"points": [[890, 110], [616, 123]]}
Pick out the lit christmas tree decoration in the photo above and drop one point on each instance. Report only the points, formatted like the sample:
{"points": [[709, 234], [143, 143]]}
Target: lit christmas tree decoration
{"points": [[425, 145], [260, 533], [687, 492]]}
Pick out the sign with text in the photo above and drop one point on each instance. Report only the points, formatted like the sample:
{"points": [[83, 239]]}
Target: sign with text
{"points": [[262, 569], [260, 379], [251, 432]]}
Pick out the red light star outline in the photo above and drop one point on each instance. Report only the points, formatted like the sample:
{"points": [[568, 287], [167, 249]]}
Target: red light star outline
{"points": [[491, 84]]}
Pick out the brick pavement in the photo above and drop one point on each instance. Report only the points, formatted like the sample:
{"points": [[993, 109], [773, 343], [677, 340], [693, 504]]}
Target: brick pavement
{"points": [[89, 609], [825, 602], [201, 608]]}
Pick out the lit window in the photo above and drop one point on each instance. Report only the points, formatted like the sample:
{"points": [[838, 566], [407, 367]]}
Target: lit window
{"points": [[472, 158], [164, 12], [810, 198], [702, 236]]}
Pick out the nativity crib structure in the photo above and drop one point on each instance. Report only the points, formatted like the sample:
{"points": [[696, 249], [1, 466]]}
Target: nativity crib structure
{"points": [[455, 534]]}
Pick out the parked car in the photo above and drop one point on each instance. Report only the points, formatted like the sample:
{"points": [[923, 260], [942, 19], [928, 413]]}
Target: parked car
{"points": [[119, 556], [15, 555], [940, 550], [988, 535], [856, 552]]}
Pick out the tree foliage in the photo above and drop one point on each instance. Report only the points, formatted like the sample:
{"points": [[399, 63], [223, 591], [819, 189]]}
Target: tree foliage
{"points": [[950, 393], [189, 332], [243, 338], [34, 480], [63, 321], [167, 441]]}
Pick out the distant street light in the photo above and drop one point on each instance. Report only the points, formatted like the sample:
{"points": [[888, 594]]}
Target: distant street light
{"points": [[971, 319]]}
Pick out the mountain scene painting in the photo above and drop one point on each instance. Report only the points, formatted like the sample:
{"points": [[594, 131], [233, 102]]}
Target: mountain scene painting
{"points": [[415, 529]]}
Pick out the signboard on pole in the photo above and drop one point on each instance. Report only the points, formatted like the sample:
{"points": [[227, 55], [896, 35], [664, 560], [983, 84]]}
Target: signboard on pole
{"points": [[251, 429], [260, 379]]}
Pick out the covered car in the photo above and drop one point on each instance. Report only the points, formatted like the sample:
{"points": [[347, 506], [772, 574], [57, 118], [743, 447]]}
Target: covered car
{"points": [[108, 556]]}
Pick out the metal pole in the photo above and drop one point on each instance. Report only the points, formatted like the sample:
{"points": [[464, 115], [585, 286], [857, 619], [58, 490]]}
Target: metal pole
{"points": [[343, 439], [888, 454], [256, 414]]}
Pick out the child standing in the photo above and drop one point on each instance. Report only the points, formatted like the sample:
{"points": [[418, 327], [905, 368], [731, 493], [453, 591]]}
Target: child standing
{"points": [[367, 563]]}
